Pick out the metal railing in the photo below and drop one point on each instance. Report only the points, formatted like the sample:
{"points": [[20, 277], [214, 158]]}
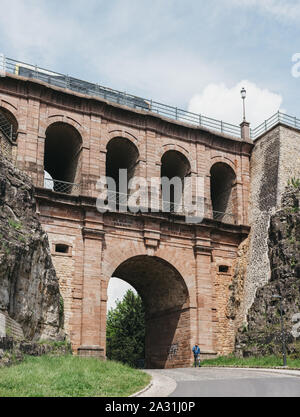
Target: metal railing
{"points": [[8, 65], [62, 186], [5, 147], [277, 118], [7, 128], [115, 201], [64, 81], [7, 136], [224, 217]]}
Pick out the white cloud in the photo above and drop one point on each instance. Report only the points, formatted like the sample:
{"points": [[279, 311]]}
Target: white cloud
{"points": [[223, 103], [117, 288], [126, 45], [281, 9]]}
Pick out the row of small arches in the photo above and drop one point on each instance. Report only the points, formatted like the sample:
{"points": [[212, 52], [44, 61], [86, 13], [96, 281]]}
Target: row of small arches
{"points": [[63, 156]]}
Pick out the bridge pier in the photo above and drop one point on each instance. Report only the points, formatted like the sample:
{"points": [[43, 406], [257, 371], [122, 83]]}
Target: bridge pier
{"points": [[91, 302]]}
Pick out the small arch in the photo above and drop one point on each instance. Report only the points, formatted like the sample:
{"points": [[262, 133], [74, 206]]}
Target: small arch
{"points": [[174, 147], [66, 119], [223, 159], [121, 153], [223, 192], [122, 134], [174, 165], [62, 157], [8, 124]]}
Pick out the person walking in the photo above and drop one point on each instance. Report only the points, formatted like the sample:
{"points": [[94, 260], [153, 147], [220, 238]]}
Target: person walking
{"points": [[196, 352]]}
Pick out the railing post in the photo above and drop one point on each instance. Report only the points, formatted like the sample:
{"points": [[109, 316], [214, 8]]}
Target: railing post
{"points": [[245, 131], [67, 81]]}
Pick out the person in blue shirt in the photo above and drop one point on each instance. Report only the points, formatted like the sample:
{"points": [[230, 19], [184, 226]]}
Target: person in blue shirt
{"points": [[196, 352]]}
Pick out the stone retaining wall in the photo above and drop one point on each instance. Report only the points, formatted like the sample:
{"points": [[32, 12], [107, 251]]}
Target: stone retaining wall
{"points": [[275, 159]]}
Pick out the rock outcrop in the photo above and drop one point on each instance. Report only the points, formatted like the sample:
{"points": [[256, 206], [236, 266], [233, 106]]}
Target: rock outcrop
{"points": [[29, 289], [263, 332]]}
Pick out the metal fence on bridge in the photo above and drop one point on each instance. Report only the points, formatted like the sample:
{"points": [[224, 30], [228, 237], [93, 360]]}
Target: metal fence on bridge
{"points": [[8, 65], [65, 81]]}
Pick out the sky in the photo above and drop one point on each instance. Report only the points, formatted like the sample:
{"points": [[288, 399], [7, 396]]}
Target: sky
{"points": [[195, 55]]}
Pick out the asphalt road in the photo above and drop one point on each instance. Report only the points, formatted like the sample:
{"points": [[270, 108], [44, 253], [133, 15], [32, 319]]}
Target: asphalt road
{"points": [[218, 382]]}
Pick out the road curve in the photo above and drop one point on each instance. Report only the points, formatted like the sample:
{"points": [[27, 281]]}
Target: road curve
{"points": [[224, 382]]}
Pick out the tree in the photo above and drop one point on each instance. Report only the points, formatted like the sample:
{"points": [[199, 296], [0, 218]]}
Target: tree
{"points": [[125, 330]]}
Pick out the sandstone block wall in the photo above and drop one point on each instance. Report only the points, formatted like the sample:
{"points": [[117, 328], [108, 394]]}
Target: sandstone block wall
{"points": [[274, 160], [98, 244]]}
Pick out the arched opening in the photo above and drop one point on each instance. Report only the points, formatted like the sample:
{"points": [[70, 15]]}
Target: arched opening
{"points": [[175, 167], [125, 324], [223, 192], [8, 132], [62, 157], [121, 154], [8, 123], [167, 315]]}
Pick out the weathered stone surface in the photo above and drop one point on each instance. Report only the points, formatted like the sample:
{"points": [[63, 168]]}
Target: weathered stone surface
{"points": [[274, 161], [237, 286], [29, 290], [13, 351], [263, 335]]}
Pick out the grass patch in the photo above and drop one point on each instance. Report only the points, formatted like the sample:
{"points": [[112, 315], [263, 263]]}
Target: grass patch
{"points": [[260, 362], [70, 376]]}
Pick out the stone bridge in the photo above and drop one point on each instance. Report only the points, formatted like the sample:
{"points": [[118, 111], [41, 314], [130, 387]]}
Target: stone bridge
{"points": [[181, 270]]}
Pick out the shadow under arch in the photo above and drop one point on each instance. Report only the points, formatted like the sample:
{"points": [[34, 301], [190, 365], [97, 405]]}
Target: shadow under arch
{"points": [[8, 124], [121, 153], [167, 307], [62, 157], [223, 192], [174, 165]]}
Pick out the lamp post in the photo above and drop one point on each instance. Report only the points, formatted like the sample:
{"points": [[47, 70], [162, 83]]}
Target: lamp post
{"points": [[243, 94], [245, 126], [282, 329]]}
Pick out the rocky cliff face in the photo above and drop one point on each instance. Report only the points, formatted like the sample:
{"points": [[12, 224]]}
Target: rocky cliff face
{"points": [[263, 334], [29, 290]]}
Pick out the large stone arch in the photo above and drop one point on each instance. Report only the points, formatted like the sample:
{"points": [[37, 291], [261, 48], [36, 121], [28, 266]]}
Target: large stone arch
{"points": [[167, 304], [117, 253]]}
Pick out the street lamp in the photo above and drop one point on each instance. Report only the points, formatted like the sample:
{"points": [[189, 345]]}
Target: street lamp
{"points": [[282, 329], [243, 94]]}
